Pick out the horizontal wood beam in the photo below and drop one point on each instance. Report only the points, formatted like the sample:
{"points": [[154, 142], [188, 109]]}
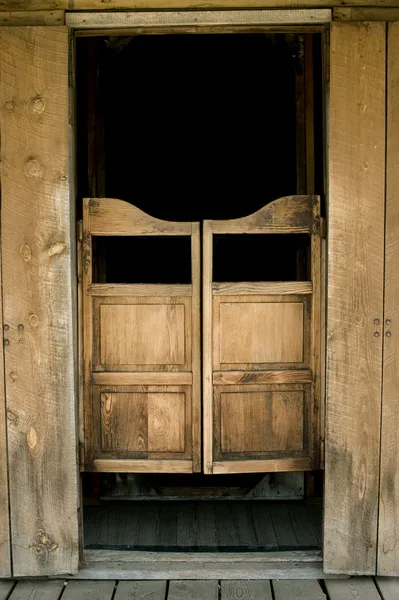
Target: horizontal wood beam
{"points": [[105, 20], [366, 14], [71, 5], [34, 17]]}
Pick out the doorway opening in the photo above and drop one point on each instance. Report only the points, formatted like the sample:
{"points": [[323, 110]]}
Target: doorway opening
{"points": [[189, 128]]}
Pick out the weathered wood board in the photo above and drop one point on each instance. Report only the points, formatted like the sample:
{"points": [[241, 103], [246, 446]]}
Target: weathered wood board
{"points": [[37, 294], [388, 531], [355, 296]]}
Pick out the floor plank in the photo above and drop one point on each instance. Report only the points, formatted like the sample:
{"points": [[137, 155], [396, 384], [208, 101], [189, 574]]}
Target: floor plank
{"points": [[89, 590], [5, 588], [297, 589], [283, 526], [245, 590], [140, 590], [263, 526], [360, 588], [193, 590], [37, 590], [303, 527], [187, 525], [388, 587]]}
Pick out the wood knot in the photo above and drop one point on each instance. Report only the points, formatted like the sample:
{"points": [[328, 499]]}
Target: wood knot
{"points": [[57, 248], [43, 546], [33, 320], [9, 105], [12, 417], [31, 438], [33, 169], [13, 376], [37, 105], [25, 252]]}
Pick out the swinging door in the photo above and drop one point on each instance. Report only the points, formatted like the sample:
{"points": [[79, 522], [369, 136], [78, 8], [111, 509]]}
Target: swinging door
{"points": [[261, 352], [141, 354]]}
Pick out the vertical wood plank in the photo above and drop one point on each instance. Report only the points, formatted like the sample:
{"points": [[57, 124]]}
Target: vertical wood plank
{"points": [[196, 345], [388, 530], [5, 553], [207, 344], [355, 296], [37, 296]]}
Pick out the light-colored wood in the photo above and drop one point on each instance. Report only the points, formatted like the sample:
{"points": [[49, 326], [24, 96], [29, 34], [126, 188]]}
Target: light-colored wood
{"points": [[196, 400], [359, 587], [141, 334], [143, 422], [388, 587], [143, 378], [109, 465], [107, 216], [37, 296], [207, 344], [315, 336], [199, 30], [33, 590], [139, 289], [272, 419], [388, 524], [355, 296], [33, 17], [366, 14], [245, 590], [262, 288], [291, 214], [259, 377], [193, 590], [292, 589], [5, 549], [140, 341], [89, 590], [141, 590], [262, 466], [237, 17], [244, 328]]}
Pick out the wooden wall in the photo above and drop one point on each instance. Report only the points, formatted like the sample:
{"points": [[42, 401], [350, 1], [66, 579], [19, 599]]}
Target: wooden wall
{"points": [[355, 295], [36, 245]]}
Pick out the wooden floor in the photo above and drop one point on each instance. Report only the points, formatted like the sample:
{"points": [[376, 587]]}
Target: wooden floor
{"points": [[361, 588], [203, 526]]}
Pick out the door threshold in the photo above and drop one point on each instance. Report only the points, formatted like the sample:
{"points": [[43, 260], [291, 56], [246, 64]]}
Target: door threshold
{"points": [[117, 564]]}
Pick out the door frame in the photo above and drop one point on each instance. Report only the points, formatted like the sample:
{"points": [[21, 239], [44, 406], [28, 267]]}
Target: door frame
{"points": [[101, 563]]}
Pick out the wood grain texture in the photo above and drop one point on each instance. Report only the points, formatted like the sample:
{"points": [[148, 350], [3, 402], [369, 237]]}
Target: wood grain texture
{"points": [[140, 334], [261, 287], [134, 4], [361, 587], [193, 590], [37, 590], [355, 296], [259, 377], [207, 345], [141, 590], [261, 421], [33, 17], [89, 590], [388, 587], [5, 589], [108, 216], [366, 14], [294, 589], [109, 465], [142, 378], [37, 294], [388, 525], [245, 590], [237, 17], [256, 332], [273, 465], [5, 548]]}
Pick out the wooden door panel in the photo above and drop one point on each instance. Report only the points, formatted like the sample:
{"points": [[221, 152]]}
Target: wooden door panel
{"points": [[143, 421], [142, 360], [261, 344], [261, 421], [261, 332], [142, 333]]}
